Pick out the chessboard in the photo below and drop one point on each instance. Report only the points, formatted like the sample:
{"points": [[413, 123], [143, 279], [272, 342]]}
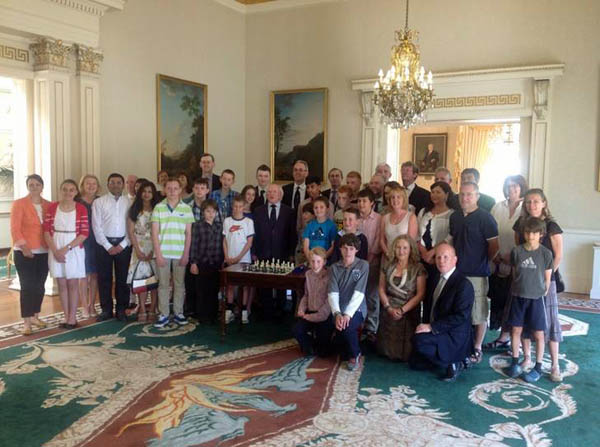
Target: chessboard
{"points": [[273, 267]]}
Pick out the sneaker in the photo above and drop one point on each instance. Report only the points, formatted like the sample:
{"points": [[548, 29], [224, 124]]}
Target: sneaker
{"points": [[245, 317], [229, 317], [180, 319], [353, 363], [532, 376], [555, 375], [514, 371], [162, 321]]}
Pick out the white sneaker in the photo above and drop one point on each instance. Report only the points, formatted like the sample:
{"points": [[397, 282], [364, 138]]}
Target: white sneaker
{"points": [[245, 317], [229, 317]]}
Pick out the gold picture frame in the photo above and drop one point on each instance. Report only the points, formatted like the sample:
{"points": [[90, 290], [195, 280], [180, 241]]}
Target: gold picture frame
{"points": [[298, 131], [181, 125]]}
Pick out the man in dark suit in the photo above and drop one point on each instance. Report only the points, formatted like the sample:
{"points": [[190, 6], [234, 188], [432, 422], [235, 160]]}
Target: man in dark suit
{"points": [[294, 193], [445, 337], [207, 164], [263, 178], [274, 237], [335, 176], [417, 196], [430, 160]]}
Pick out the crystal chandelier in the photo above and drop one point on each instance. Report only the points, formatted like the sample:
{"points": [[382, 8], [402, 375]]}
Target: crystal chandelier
{"points": [[404, 93]]}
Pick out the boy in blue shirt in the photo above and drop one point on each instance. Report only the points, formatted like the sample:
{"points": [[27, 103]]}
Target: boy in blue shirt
{"points": [[532, 269]]}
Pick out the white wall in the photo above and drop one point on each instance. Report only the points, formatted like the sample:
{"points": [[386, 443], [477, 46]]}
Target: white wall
{"points": [[200, 41], [328, 45]]}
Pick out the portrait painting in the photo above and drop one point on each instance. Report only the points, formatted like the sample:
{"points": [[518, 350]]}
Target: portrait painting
{"points": [[181, 125], [430, 151], [298, 131]]}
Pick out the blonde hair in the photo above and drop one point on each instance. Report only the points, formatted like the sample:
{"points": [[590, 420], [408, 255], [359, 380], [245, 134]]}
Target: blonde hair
{"points": [[319, 251], [402, 191], [84, 178], [413, 258]]}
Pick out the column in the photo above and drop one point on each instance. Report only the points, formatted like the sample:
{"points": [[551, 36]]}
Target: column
{"points": [[86, 117], [376, 145], [540, 134]]}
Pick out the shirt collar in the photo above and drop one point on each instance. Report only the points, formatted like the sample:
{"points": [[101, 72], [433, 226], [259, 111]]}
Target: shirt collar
{"points": [[411, 187], [112, 196], [302, 186], [448, 274]]}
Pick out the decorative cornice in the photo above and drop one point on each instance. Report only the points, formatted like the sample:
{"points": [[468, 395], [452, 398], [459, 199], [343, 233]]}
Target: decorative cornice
{"points": [[87, 60], [49, 53], [91, 7], [477, 101], [270, 5], [13, 53]]}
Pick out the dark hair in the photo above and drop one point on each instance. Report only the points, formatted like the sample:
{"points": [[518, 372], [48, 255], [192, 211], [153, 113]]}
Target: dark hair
{"points": [[228, 171], [518, 180], [71, 182], [206, 154], [335, 169], [392, 184], [353, 210], [308, 208], [410, 164], [263, 167], [546, 211], [366, 193], [238, 198], [473, 171], [209, 203], [313, 179], [245, 189], [201, 181], [138, 203], [115, 174], [534, 225], [321, 199], [140, 181], [444, 187], [350, 240], [188, 187], [35, 177]]}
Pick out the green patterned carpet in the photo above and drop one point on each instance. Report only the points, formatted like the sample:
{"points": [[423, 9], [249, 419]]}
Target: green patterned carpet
{"points": [[110, 384]]}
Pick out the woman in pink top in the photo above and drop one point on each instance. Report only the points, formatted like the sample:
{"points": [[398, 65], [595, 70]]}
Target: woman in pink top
{"points": [[400, 220], [313, 309], [30, 251]]}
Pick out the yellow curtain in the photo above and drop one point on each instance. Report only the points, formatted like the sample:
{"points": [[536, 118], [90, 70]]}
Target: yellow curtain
{"points": [[473, 146]]}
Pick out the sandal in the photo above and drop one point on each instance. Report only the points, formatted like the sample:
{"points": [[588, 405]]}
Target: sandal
{"points": [[477, 356], [39, 323], [497, 345]]}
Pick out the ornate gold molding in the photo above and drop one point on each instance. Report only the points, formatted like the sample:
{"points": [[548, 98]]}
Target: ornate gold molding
{"points": [[49, 53], [13, 53], [87, 60], [477, 101]]}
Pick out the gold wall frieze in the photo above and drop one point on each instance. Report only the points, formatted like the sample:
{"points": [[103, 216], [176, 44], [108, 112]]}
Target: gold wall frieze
{"points": [[477, 101], [13, 53], [50, 53]]}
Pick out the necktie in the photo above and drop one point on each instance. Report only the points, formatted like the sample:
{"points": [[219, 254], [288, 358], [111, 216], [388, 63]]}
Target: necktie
{"points": [[262, 196], [273, 216], [333, 198], [436, 294], [296, 200]]}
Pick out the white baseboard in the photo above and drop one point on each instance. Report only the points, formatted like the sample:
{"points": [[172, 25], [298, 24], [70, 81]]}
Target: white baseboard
{"points": [[578, 253]]}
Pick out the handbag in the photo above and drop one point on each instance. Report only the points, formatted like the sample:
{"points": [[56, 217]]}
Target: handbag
{"points": [[560, 284], [145, 281]]}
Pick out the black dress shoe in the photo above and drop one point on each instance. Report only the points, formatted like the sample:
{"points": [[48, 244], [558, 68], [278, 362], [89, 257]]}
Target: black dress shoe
{"points": [[453, 371], [121, 316], [104, 316]]}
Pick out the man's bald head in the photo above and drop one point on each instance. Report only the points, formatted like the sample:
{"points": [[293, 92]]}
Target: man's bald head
{"points": [[445, 257]]}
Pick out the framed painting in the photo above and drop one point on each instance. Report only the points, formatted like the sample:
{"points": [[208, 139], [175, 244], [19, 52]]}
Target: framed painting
{"points": [[181, 125], [298, 131], [430, 151]]}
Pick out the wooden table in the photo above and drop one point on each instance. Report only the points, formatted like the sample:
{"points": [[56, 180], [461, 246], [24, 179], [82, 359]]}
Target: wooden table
{"points": [[234, 275]]}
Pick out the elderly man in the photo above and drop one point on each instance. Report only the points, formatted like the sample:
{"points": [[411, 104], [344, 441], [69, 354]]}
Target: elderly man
{"points": [[474, 234], [442, 174], [130, 184], [294, 193], [431, 159], [445, 338], [207, 164], [274, 235], [472, 175], [335, 177], [376, 186], [385, 171], [417, 196]]}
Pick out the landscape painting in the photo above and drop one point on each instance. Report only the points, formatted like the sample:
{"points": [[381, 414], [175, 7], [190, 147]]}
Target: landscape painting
{"points": [[181, 125], [298, 131]]}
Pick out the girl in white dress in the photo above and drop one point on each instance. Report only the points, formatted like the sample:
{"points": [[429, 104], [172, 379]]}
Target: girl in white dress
{"points": [[65, 229]]}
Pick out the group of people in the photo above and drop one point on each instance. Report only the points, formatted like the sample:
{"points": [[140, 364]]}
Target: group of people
{"points": [[406, 269]]}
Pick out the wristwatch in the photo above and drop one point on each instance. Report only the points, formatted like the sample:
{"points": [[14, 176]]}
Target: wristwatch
{"points": [[335, 315]]}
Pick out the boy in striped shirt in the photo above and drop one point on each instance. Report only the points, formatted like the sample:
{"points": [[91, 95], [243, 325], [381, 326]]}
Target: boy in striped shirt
{"points": [[171, 237]]}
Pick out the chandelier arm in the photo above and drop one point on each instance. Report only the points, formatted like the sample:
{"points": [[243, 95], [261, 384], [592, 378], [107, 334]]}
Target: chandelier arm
{"points": [[406, 18]]}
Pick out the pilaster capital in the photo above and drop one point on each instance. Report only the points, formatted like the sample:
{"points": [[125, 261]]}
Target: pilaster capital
{"points": [[50, 54], [540, 96], [87, 60], [368, 109]]}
